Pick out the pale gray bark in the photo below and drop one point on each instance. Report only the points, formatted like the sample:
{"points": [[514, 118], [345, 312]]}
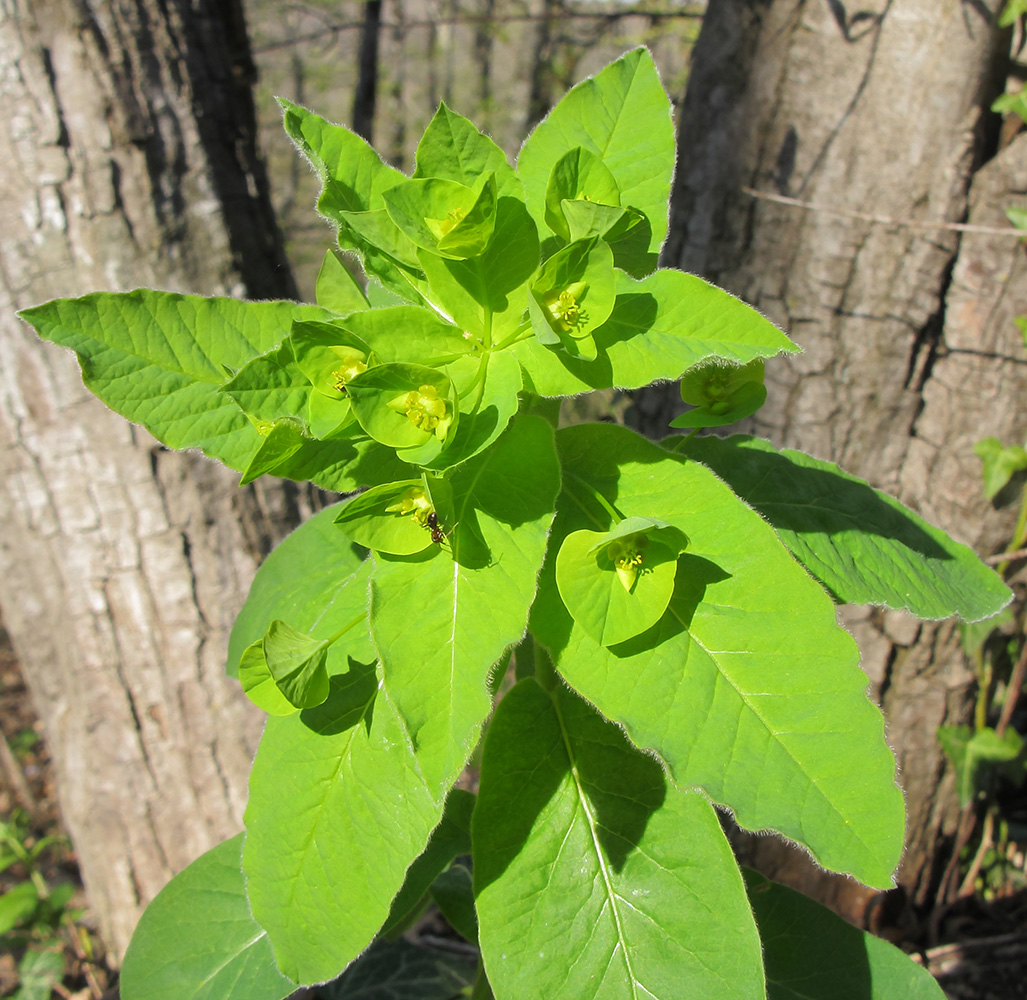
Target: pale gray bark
{"points": [[128, 159], [907, 362]]}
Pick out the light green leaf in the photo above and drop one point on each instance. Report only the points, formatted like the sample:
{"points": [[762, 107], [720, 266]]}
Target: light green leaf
{"points": [[17, 904], [296, 661], [410, 334], [622, 116], [336, 288], [445, 217], [617, 584], [864, 546], [344, 465], [318, 580], [454, 149], [721, 393], [39, 971], [324, 861], [451, 837], [660, 326], [389, 518], [572, 296], [197, 939], [999, 463], [578, 175], [441, 619], [487, 388], [405, 406], [159, 358], [353, 180], [605, 880], [399, 970], [975, 755], [277, 445], [812, 954], [259, 685], [747, 687]]}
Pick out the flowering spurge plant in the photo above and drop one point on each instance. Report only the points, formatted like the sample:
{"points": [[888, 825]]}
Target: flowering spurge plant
{"points": [[659, 619]]}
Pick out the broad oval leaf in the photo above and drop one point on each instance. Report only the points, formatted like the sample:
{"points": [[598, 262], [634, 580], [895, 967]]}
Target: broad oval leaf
{"points": [[746, 687], [594, 876], [863, 545], [198, 939]]}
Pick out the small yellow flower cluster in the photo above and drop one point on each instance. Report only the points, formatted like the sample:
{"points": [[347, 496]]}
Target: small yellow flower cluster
{"points": [[349, 369], [424, 408], [627, 557], [414, 502], [443, 227], [565, 308]]}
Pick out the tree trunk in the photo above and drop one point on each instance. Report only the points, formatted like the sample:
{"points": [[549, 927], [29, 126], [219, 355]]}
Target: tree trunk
{"points": [[365, 96], [910, 351], [129, 159]]}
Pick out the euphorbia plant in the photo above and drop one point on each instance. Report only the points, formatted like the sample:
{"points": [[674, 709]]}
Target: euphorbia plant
{"points": [[667, 611]]}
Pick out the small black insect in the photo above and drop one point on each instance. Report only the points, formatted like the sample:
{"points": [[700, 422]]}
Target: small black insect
{"points": [[437, 534]]}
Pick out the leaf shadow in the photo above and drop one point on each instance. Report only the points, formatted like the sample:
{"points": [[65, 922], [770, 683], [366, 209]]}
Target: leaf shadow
{"points": [[350, 701]]}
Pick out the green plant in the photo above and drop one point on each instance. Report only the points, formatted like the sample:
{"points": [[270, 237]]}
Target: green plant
{"points": [[31, 911], [667, 612]]}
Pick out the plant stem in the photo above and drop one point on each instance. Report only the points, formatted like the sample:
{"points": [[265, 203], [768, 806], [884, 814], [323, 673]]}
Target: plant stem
{"points": [[600, 499], [353, 624]]}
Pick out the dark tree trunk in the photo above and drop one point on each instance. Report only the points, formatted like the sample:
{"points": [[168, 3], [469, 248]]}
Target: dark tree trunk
{"points": [[910, 350], [129, 159], [365, 97]]}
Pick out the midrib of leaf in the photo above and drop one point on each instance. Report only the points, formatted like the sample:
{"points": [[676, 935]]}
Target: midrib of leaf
{"points": [[228, 961], [611, 895]]}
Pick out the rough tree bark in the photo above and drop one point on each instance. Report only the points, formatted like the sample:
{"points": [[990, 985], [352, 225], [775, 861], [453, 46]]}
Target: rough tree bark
{"points": [[910, 351], [129, 159]]}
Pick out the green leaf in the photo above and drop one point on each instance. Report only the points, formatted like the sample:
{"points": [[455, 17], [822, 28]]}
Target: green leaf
{"points": [[1012, 11], [258, 683], [622, 116], [353, 181], [278, 444], [659, 327], [594, 875], [1000, 463], [159, 358], [454, 149], [746, 687], [1018, 217], [39, 971], [197, 938], [722, 393], [410, 334], [487, 388], [17, 904], [405, 406], [453, 893], [390, 518], [336, 288], [318, 580], [297, 661], [445, 217], [974, 755], [812, 954], [578, 175], [572, 296], [324, 861], [617, 584], [451, 837], [1012, 103], [399, 970], [864, 546], [441, 619]]}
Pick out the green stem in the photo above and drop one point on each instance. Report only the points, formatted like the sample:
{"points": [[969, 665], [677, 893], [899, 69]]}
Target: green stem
{"points": [[599, 498], [353, 624], [523, 332], [1019, 535]]}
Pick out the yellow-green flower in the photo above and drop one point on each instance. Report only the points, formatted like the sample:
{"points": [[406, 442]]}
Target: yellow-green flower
{"points": [[627, 555], [414, 502], [564, 306], [425, 409]]}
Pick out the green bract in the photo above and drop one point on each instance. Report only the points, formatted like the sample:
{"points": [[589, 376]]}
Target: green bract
{"points": [[669, 612]]}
